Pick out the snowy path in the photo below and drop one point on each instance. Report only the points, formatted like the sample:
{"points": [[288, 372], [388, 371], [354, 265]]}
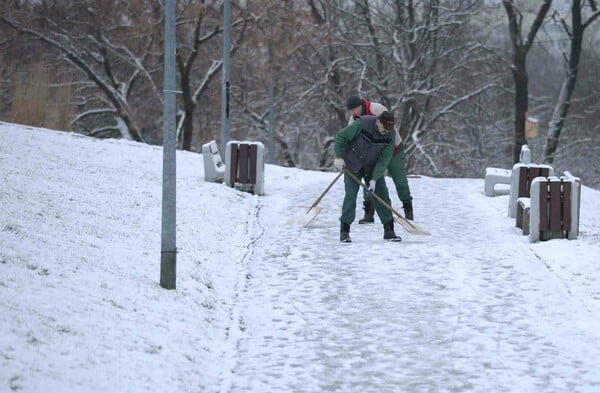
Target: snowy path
{"points": [[262, 306], [442, 313]]}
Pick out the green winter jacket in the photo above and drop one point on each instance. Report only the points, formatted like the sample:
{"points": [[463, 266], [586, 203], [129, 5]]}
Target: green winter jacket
{"points": [[349, 133]]}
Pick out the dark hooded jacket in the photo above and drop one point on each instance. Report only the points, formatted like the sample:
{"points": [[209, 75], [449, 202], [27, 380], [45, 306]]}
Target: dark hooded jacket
{"points": [[363, 147]]}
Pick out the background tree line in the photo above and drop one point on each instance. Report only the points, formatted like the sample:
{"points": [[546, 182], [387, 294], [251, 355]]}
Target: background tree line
{"points": [[462, 76]]}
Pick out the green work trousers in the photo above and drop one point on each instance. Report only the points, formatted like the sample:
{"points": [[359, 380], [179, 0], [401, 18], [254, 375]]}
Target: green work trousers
{"points": [[397, 171], [349, 206]]}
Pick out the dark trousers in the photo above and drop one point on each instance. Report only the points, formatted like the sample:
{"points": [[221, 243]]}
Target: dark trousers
{"points": [[349, 206]]}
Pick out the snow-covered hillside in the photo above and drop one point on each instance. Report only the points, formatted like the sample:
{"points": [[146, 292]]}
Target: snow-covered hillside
{"points": [[264, 306]]}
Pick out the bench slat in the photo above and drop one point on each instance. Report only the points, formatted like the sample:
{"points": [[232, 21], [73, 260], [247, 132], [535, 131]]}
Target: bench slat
{"points": [[543, 205], [566, 208], [555, 222], [523, 189], [253, 151], [233, 165], [243, 163]]}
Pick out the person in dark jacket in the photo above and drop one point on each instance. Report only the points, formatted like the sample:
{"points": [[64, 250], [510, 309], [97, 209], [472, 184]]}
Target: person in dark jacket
{"points": [[397, 167], [365, 148]]}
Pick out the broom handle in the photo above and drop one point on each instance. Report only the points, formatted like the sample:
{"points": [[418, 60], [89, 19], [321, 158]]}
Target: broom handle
{"points": [[325, 192], [373, 193]]}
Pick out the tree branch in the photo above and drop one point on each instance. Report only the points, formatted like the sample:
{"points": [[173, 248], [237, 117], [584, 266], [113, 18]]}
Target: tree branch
{"points": [[539, 19], [591, 19]]}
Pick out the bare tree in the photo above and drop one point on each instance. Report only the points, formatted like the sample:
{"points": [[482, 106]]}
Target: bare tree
{"points": [[413, 57], [520, 48], [91, 39], [285, 51], [440, 65], [269, 74], [331, 59], [206, 28], [575, 33]]}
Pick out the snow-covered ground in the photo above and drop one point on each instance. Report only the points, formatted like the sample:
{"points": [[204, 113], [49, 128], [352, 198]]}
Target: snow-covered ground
{"points": [[264, 306]]}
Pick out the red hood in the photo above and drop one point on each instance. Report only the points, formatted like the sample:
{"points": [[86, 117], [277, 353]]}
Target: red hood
{"points": [[367, 105]]}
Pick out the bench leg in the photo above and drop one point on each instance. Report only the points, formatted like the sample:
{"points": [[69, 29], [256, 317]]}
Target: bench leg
{"points": [[526, 218]]}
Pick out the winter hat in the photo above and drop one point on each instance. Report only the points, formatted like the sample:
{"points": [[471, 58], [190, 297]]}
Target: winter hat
{"points": [[387, 119], [353, 102]]}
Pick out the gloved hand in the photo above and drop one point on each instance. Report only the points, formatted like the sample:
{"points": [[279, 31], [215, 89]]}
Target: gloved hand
{"points": [[371, 187], [338, 163]]}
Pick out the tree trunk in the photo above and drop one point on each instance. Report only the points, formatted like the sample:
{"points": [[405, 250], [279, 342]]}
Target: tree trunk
{"points": [[566, 92], [521, 100], [188, 108], [520, 47], [188, 130], [559, 115], [134, 130]]}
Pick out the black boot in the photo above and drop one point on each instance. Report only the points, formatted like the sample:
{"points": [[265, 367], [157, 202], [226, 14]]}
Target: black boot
{"points": [[345, 233], [389, 234], [369, 213], [408, 210]]}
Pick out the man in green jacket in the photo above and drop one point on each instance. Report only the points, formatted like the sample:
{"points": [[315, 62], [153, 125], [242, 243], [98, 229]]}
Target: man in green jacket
{"points": [[397, 167], [365, 148]]}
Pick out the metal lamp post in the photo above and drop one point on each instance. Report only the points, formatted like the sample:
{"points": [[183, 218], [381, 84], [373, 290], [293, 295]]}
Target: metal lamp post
{"points": [[168, 251]]}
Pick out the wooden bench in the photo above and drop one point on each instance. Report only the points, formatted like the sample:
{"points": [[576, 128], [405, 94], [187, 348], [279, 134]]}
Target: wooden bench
{"points": [[245, 166], [521, 178], [554, 208]]}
